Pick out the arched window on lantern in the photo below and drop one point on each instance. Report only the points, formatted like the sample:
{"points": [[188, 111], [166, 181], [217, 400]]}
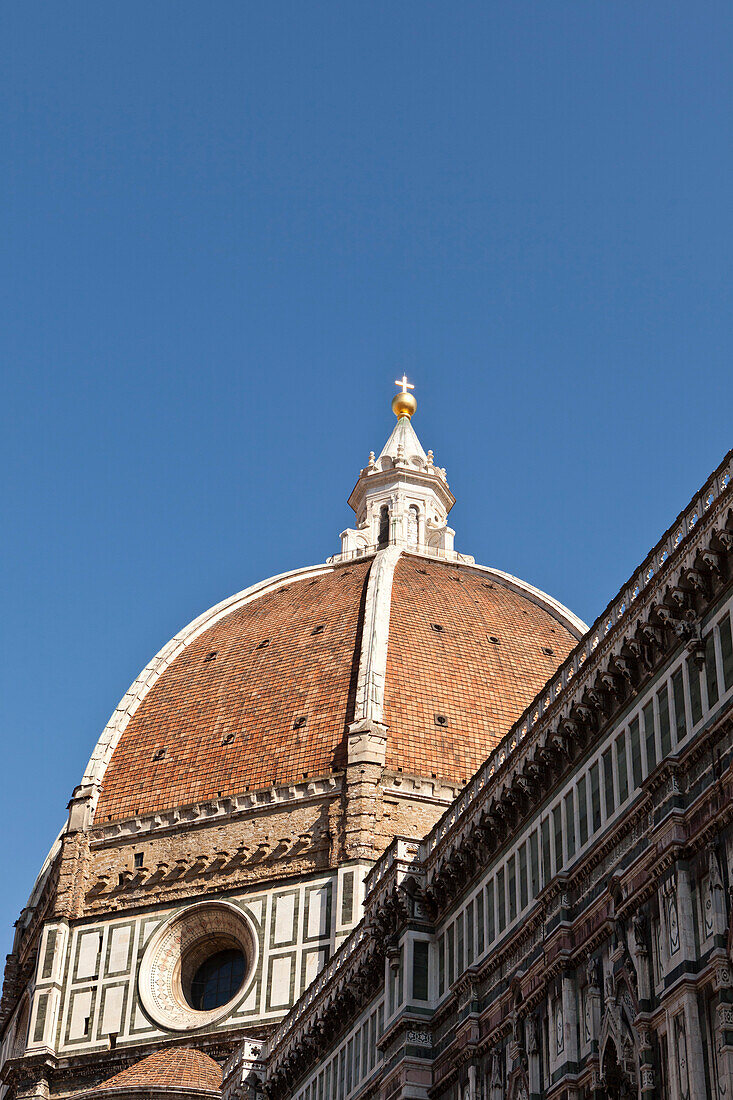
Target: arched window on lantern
{"points": [[383, 525], [413, 520]]}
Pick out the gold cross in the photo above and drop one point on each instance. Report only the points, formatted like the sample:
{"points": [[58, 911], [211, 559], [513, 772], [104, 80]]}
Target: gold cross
{"points": [[404, 383]]}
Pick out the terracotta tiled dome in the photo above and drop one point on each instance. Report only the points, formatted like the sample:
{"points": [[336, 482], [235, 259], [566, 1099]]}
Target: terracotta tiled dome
{"points": [[178, 1070], [261, 691]]}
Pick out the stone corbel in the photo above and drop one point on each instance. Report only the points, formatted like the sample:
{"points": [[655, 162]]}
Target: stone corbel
{"points": [[611, 684], [650, 635], [585, 715], [638, 650], [624, 670], [596, 696], [725, 539], [695, 643], [712, 561], [667, 616], [696, 581]]}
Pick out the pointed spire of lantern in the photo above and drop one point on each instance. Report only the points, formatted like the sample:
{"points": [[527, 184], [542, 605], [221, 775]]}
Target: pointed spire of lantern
{"points": [[402, 498]]}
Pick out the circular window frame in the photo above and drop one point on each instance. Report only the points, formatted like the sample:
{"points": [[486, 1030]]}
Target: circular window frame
{"points": [[175, 952]]}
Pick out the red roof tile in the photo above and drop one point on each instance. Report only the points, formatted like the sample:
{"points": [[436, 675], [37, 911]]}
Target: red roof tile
{"points": [[477, 686]]}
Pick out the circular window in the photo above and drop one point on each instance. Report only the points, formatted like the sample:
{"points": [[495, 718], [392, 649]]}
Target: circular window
{"points": [[217, 980], [196, 965]]}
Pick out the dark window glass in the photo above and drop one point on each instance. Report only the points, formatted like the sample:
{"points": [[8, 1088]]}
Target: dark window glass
{"points": [[582, 811], [557, 836], [451, 944], [636, 770], [342, 1064], [523, 895], [501, 900], [459, 943], [570, 823], [469, 933], [711, 672], [693, 676], [480, 923], [608, 782], [546, 863], [420, 969], [678, 693], [490, 917], [534, 864], [623, 773], [401, 980], [726, 652], [665, 733], [349, 1077], [217, 980], [649, 739], [441, 965], [595, 798], [357, 1058], [392, 990], [512, 880]]}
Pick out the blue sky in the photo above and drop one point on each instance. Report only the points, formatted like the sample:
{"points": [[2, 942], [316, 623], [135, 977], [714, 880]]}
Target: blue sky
{"points": [[227, 227]]}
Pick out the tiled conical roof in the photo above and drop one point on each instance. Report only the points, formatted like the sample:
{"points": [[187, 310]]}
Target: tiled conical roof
{"points": [[177, 1068]]}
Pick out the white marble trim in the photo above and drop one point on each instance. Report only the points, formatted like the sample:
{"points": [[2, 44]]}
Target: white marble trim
{"points": [[375, 637]]}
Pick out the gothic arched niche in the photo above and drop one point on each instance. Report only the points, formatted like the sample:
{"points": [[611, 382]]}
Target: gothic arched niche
{"points": [[619, 1043], [616, 1083], [518, 1086]]}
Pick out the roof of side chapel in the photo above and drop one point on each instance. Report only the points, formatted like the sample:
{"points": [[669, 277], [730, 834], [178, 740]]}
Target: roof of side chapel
{"points": [[177, 1068]]}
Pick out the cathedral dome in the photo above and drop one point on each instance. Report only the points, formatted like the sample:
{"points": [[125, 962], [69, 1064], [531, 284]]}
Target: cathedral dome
{"points": [[398, 641], [261, 692]]}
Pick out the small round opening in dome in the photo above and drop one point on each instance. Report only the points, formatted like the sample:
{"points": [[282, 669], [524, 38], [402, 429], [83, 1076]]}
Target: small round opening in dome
{"points": [[217, 980]]}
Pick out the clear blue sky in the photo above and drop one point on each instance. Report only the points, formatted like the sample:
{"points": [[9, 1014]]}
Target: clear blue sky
{"points": [[227, 227]]}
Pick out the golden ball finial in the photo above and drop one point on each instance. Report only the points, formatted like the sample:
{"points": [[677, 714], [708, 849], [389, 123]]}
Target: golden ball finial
{"points": [[404, 404]]}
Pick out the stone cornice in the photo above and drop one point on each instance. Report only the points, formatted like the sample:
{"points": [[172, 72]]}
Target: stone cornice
{"points": [[217, 810]]}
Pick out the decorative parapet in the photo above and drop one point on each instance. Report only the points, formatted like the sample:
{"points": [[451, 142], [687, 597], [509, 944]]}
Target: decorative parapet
{"points": [[400, 859], [421, 550]]}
